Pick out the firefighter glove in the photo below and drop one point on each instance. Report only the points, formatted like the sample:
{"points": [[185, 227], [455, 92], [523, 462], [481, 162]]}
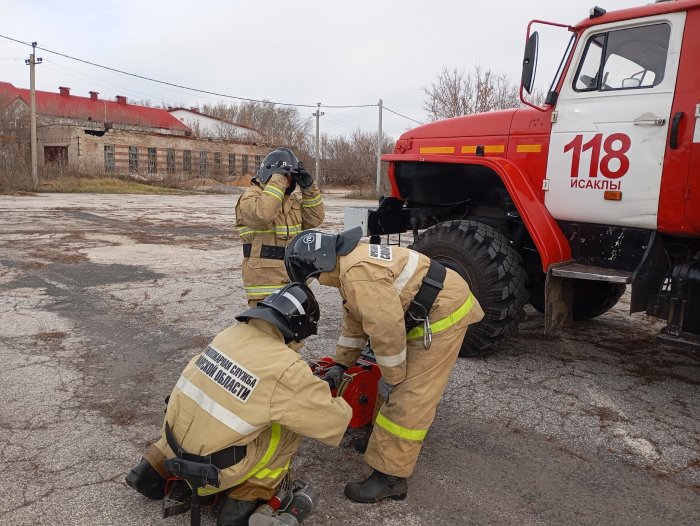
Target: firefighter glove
{"points": [[303, 177], [384, 389], [334, 375]]}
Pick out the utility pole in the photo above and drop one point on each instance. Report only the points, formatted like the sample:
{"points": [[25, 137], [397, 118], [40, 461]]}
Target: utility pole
{"points": [[379, 150], [31, 62], [318, 114]]}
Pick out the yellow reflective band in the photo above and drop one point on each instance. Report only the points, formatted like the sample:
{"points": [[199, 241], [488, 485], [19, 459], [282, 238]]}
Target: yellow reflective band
{"points": [[417, 435], [282, 230], [445, 323], [275, 433], [310, 203], [262, 290], [272, 473], [243, 230], [489, 148], [208, 490], [528, 148], [274, 191], [437, 149]]}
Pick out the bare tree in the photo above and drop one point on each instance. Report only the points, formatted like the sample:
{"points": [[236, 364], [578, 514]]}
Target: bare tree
{"points": [[456, 93]]}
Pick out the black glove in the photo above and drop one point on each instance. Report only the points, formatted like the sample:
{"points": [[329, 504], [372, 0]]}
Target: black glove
{"points": [[334, 375], [303, 177]]}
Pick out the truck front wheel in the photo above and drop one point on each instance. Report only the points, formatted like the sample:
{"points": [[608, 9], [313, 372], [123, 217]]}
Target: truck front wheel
{"points": [[494, 272]]}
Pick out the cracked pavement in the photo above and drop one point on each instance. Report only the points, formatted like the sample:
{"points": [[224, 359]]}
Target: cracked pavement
{"points": [[104, 298]]}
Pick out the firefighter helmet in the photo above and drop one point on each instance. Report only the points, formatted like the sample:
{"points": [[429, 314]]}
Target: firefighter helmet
{"points": [[281, 161], [293, 309], [313, 252]]}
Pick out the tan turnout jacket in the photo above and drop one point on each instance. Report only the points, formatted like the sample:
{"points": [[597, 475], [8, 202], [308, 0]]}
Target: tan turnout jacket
{"points": [[249, 388], [377, 283], [266, 216]]}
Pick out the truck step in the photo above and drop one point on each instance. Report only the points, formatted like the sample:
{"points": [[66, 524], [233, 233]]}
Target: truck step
{"points": [[579, 271]]}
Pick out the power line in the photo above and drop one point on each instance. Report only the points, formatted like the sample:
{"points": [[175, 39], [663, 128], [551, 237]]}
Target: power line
{"points": [[400, 115], [197, 90]]}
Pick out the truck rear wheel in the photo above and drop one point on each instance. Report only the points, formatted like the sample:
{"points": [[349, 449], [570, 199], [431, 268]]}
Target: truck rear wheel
{"points": [[494, 272], [591, 298]]}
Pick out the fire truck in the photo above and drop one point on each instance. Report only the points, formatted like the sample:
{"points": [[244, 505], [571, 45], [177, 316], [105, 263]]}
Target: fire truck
{"points": [[565, 204]]}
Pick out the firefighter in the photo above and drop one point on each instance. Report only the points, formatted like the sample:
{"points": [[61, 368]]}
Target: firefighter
{"points": [[269, 214], [247, 400], [416, 313]]}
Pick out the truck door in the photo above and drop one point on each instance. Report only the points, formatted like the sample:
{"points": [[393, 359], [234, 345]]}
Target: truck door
{"points": [[611, 123]]}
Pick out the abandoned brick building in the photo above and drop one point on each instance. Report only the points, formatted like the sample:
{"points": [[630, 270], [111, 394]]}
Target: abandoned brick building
{"points": [[93, 135]]}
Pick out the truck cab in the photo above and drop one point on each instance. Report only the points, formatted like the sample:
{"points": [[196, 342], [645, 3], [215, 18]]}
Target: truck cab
{"points": [[563, 205]]}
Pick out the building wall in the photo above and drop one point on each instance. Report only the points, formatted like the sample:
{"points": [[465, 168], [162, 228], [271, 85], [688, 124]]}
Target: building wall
{"points": [[86, 154], [208, 126]]}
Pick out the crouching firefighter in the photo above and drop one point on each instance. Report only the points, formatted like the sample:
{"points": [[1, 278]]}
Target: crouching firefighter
{"points": [[240, 408], [416, 313]]}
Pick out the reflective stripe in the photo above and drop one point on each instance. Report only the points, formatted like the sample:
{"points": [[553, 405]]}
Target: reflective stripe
{"points": [[408, 270], [272, 473], [216, 410], [281, 230], [391, 361], [275, 433], [262, 290], [395, 429], [353, 343], [445, 323], [274, 191], [295, 301], [310, 203]]}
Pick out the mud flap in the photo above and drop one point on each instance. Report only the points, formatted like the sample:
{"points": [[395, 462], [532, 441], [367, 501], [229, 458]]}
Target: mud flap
{"points": [[558, 301]]}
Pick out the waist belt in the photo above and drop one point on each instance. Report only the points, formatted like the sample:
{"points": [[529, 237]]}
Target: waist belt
{"points": [[222, 459], [418, 309], [266, 251]]}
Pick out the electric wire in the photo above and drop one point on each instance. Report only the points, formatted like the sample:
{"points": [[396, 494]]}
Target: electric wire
{"points": [[401, 115], [197, 90]]}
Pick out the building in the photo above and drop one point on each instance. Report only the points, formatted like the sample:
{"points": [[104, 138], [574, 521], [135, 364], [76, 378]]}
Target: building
{"points": [[207, 126], [97, 136]]}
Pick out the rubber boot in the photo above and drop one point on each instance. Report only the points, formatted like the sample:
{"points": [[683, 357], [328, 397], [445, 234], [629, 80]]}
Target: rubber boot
{"points": [[378, 486], [236, 512], [147, 481]]}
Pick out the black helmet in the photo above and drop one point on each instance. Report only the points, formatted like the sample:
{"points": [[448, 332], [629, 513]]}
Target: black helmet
{"points": [[293, 309], [313, 252], [280, 160]]}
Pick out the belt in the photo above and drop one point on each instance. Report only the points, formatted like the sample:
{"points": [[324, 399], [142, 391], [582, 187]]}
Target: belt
{"points": [[266, 251], [222, 459]]}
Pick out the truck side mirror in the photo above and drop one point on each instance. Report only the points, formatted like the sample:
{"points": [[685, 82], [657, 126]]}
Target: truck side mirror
{"points": [[530, 62]]}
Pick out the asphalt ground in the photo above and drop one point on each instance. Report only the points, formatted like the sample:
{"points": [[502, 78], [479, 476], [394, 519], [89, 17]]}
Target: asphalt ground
{"points": [[104, 299]]}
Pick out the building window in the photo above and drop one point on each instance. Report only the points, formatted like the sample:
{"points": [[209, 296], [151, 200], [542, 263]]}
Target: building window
{"points": [[202, 163], [152, 160], [133, 159], [258, 160], [232, 164], [217, 163], [187, 161], [109, 158], [170, 161], [244, 164]]}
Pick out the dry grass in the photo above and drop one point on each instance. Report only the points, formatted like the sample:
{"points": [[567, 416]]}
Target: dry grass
{"points": [[105, 185], [362, 193]]}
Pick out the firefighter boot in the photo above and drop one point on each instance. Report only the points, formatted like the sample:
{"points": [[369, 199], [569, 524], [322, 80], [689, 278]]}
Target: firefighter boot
{"points": [[235, 512], [378, 486], [147, 481]]}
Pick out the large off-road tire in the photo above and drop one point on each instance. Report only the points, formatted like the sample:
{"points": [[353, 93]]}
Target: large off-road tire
{"points": [[591, 298], [494, 272]]}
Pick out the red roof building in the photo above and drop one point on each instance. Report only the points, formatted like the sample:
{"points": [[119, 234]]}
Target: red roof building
{"points": [[118, 113]]}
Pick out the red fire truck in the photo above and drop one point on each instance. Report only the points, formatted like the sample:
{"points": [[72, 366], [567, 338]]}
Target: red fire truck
{"points": [[563, 205]]}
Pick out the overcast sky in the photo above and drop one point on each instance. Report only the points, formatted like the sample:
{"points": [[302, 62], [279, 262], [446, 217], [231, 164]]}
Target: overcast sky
{"points": [[337, 53]]}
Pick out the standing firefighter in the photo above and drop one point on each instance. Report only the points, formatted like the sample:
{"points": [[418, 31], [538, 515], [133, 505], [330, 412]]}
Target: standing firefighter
{"points": [[416, 313], [269, 214], [241, 407]]}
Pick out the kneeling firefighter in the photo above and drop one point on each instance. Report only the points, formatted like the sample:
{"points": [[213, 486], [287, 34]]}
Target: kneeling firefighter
{"points": [[416, 313], [240, 408]]}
